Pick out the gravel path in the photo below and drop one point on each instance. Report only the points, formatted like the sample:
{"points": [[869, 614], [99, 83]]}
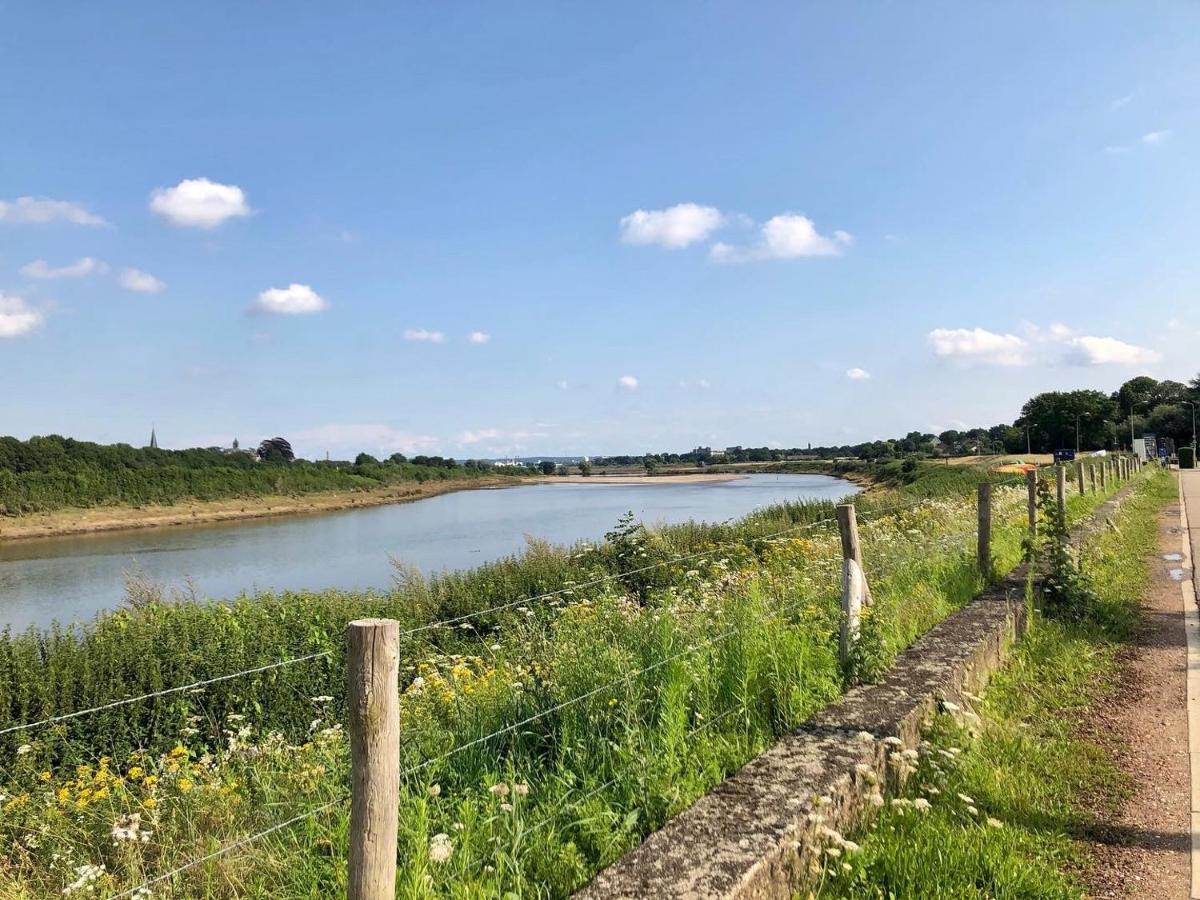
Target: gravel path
{"points": [[1144, 850]]}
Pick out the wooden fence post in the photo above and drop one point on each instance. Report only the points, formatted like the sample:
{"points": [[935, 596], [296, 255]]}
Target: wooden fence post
{"points": [[373, 671], [856, 593], [1060, 484], [1092, 476], [1079, 477], [1103, 469], [1031, 482], [983, 551]]}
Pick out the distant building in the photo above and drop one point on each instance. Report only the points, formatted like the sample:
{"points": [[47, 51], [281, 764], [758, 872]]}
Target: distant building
{"points": [[153, 440]]}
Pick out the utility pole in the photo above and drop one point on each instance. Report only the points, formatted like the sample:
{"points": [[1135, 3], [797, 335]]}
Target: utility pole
{"points": [[1193, 406], [1077, 448]]}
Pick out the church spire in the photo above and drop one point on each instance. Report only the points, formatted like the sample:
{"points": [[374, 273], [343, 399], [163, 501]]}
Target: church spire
{"points": [[153, 439]]}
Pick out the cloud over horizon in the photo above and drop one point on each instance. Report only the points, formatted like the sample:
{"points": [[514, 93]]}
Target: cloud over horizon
{"points": [[293, 300], [44, 210], [199, 203], [17, 317], [82, 268], [1055, 345], [675, 227]]}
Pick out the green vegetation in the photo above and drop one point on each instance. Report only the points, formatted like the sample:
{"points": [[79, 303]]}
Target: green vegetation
{"points": [[1048, 421], [50, 473], [1001, 814], [541, 738]]}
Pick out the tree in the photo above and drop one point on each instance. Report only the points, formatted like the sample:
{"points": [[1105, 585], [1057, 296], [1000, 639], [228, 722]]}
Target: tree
{"points": [[1173, 421], [650, 464], [1051, 419], [275, 449], [365, 459], [548, 467], [397, 458], [585, 468]]}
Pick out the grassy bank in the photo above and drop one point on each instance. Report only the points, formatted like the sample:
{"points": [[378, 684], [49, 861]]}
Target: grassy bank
{"points": [[1000, 808], [45, 474], [541, 739]]}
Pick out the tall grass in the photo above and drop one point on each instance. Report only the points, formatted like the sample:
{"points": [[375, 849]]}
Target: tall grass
{"points": [[1002, 812], [539, 742]]}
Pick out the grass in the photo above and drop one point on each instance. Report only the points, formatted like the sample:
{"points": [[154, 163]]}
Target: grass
{"points": [[539, 742], [1004, 811]]}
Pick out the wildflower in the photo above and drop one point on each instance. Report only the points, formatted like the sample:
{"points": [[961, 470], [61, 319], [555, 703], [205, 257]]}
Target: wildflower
{"points": [[440, 847], [434, 790], [321, 699], [850, 846], [506, 807], [835, 852], [972, 810], [127, 828], [184, 785], [499, 790], [965, 799], [86, 875], [875, 799], [235, 717], [994, 823], [893, 741], [23, 749], [45, 776], [458, 826], [921, 805], [520, 789]]}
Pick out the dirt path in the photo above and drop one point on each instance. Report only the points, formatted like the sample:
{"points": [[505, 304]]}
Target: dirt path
{"points": [[1144, 851]]}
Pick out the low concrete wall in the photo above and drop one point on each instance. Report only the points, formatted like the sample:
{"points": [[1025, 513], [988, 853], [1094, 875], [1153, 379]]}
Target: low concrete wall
{"points": [[755, 835]]}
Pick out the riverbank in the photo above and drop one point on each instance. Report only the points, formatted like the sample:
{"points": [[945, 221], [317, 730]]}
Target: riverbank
{"points": [[691, 478], [63, 523]]}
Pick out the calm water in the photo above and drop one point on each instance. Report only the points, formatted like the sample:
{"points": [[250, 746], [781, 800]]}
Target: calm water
{"points": [[73, 577]]}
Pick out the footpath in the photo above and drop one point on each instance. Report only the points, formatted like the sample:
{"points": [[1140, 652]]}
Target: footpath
{"points": [[1152, 726]]}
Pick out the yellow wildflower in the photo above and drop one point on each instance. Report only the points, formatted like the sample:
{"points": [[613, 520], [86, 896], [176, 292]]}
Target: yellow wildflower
{"points": [[149, 803]]}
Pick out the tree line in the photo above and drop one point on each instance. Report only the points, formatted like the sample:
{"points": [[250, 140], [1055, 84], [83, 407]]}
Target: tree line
{"points": [[1084, 419], [52, 472]]}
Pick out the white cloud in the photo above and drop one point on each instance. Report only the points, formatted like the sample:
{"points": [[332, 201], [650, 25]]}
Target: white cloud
{"points": [[17, 317], [356, 437], [1089, 350], [563, 384], [422, 334], [977, 345], [1156, 137], [483, 434], [677, 226], [786, 236], [857, 374], [1120, 101], [199, 203], [1053, 345], [628, 382], [478, 337], [143, 282], [43, 210], [295, 299], [81, 268]]}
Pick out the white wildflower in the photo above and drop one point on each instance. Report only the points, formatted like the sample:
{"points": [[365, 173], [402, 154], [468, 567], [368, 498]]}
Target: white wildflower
{"points": [[440, 847], [994, 823], [922, 805]]}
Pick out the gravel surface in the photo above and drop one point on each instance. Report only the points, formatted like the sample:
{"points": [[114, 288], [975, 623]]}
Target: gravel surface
{"points": [[1143, 850]]}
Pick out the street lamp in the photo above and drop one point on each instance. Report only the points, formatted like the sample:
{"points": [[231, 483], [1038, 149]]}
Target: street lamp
{"points": [[1193, 406]]}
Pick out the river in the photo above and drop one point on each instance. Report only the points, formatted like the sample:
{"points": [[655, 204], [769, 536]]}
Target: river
{"points": [[71, 578]]}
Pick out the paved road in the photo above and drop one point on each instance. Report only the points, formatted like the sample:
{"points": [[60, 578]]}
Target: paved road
{"points": [[1190, 483]]}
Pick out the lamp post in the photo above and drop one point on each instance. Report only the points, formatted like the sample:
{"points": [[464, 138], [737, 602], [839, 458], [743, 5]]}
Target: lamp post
{"points": [[1193, 406]]}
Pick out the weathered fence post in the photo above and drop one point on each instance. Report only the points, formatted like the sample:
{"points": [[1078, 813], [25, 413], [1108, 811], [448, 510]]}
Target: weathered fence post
{"points": [[1079, 477], [1031, 481], [1103, 470], [984, 546], [1092, 476], [856, 593], [1060, 484], [373, 670]]}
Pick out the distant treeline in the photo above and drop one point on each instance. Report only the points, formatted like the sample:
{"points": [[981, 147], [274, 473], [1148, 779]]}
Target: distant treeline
{"points": [[1048, 421], [52, 472]]}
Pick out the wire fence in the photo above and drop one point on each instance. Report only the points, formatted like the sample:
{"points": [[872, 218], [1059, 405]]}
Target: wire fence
{"points": [[943, 543]]}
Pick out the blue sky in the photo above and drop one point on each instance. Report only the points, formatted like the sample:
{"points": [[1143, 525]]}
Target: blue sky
{"points": [[663, 224]]}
